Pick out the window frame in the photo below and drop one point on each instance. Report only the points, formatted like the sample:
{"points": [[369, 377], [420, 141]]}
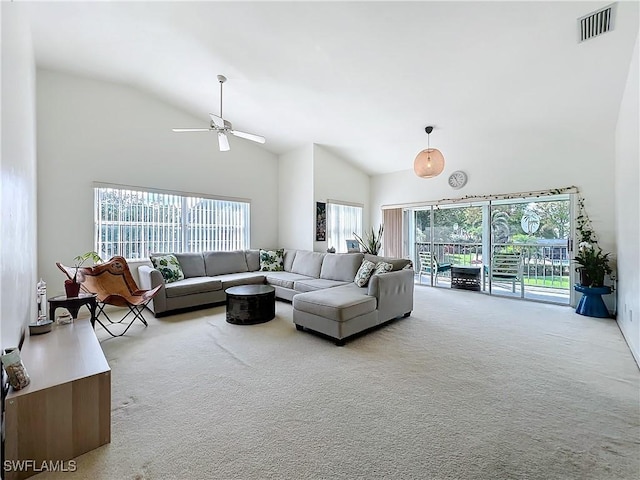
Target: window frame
{"points": [[182, 225], [341, 246]]}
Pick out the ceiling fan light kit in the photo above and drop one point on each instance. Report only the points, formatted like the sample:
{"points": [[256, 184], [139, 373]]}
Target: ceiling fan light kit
{"points": [[223, 127], [429, 163]]}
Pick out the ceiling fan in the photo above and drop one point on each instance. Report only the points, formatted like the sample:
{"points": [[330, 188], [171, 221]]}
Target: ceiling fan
{"points": [[222, 126]]}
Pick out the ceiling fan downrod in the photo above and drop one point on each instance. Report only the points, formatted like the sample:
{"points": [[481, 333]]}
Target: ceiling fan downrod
{"points": [[221, 79]]}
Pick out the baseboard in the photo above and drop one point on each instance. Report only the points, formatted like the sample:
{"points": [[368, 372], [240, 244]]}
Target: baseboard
{"points": [[634, 354]]}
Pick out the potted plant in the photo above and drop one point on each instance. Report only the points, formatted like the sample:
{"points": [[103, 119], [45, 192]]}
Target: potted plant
{"points": [[72, 286], [593, 262], [371, 242]]}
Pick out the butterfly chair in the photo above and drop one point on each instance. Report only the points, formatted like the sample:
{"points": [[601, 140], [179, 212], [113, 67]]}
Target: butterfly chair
{"points": [[428, 264], [113, 284]]}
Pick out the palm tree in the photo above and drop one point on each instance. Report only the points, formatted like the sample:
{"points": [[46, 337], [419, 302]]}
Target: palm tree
{"points": [[500, 226]]}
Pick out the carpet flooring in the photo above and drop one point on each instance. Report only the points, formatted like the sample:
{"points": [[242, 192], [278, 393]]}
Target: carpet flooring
{"points": [[468, 387]]}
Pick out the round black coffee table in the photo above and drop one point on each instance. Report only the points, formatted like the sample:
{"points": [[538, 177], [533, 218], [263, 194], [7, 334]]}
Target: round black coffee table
{"points": [[250, 304]]}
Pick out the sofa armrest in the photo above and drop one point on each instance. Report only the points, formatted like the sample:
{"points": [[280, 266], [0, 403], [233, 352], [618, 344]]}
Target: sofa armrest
{"points": [[150, 278], [394, 292]]}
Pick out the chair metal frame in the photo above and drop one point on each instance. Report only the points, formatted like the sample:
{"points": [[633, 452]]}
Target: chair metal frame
{"points": [[113, 284], [506, 267], [429, 263]]}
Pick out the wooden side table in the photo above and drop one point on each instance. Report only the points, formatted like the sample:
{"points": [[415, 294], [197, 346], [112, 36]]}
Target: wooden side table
{"points": [[591, 303], [73, 304]]}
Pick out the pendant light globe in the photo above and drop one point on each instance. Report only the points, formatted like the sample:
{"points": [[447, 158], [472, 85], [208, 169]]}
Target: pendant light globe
{"points": [[429, 162]]}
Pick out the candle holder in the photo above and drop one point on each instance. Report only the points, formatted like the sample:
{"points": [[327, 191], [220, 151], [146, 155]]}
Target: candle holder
{"points": [[42, 323]]}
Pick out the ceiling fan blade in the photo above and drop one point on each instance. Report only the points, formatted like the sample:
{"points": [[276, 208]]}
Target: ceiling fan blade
{"points": [[217, 121], [248, 136], [223, 141], [191, 129]]}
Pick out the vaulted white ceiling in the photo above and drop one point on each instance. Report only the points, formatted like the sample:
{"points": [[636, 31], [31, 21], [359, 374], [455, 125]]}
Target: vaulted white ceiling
{"points": [[360, 78]]}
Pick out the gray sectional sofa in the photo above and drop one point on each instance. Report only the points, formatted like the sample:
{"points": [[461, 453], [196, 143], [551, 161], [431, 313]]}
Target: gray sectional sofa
{"points": [[320, 286]]}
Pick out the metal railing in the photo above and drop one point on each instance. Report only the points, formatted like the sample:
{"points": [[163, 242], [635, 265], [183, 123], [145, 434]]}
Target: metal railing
{"points": [[544, 264]]}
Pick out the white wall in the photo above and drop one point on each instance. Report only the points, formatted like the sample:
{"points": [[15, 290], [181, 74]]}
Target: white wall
{"points": [[336, 179], [17, 178], [542, 162], [296, 209], [627, 197], [91, 130]]}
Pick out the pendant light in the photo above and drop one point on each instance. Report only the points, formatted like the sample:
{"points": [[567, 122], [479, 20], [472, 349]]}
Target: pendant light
{"points": [[429, 163]]}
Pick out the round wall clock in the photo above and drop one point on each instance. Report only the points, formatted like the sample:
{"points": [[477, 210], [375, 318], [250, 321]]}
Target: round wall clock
{"points": [[457, 179]]}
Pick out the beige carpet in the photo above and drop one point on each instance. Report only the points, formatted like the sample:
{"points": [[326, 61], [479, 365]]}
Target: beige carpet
{"points": [[468, 387]]}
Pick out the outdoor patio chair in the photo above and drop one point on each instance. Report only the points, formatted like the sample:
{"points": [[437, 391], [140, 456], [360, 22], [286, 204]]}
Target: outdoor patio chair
{"points": [[507, 268], [113, 284], [428, 263]]}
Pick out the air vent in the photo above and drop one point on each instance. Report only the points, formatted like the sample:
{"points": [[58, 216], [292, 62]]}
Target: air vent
{"points": [[596, 23]]}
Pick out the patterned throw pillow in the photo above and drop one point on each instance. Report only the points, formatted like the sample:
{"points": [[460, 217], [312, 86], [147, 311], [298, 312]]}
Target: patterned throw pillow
{"points": [[364, 273], [272, 260], [382, 267], [169, 267], [408, 266]]}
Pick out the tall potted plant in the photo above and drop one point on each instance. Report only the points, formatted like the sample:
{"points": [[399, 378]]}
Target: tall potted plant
{"points": [[371, 243], [593, 263]]}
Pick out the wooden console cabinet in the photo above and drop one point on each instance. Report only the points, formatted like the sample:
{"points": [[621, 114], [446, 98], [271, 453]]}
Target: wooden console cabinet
{"points": [[66, 409]]}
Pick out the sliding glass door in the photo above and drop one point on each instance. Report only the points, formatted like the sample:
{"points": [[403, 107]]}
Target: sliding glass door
{"points": [[538, 230], [517, 247], [452, 234]]}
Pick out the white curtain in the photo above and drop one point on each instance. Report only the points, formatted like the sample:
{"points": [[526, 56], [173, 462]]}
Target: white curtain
{"points": [[342, 222]]}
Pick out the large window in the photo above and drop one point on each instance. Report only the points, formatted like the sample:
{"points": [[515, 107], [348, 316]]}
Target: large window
{"points": [[342, 222], [135, 223]]}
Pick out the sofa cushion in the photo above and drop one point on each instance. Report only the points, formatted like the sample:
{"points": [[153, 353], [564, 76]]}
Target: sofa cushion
{"points": [[316, 284], [220, 263], [289, 256], [243, 278], [284, 279], [364, 273], [168, 266], [307, 263], [341, 266], [339, 304], [272, 260], [189, 286], [253, 259], [192, 264], [398, 263]]}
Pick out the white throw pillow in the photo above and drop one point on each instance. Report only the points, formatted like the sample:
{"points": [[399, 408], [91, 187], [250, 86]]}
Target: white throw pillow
{"points": [[272, 260], [382, 267], [169, 267], [364, 273]]}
